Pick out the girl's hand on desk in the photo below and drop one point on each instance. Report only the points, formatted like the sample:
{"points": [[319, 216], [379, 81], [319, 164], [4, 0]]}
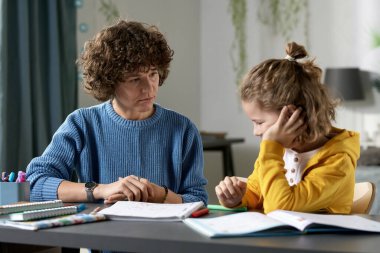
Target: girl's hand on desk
{"points": [[130, 188], [230, 191]]}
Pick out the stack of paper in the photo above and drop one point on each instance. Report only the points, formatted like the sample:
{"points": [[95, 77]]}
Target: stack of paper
{"points": [[131, 210]]}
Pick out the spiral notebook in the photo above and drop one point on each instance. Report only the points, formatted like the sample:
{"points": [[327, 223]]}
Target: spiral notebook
{"points": [[29, 206], [74, 219], [46, 213]]}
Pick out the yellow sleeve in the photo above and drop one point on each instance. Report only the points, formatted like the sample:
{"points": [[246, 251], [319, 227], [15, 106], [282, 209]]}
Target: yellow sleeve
{"points": [[252, 198], [328, 185]]}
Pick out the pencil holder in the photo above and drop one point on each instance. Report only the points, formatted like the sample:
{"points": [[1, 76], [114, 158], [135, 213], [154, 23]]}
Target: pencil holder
{"points": [[11, 192]]}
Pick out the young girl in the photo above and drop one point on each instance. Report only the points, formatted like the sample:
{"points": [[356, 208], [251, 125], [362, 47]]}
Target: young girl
{"points": [[304, 164]]}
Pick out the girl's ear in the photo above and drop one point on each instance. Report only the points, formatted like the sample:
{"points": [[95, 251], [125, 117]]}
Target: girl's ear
{"points": [[292, 108]]}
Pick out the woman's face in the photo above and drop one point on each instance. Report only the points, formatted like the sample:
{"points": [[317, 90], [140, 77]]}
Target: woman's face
{"points": [[261, 119], [135, 96]]}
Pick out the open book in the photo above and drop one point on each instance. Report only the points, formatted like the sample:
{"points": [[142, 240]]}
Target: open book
{"points": [[131, 210], [280, 222]]}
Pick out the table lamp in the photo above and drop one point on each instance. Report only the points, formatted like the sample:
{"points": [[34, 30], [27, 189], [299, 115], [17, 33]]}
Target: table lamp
{"points": [[344, 83]]}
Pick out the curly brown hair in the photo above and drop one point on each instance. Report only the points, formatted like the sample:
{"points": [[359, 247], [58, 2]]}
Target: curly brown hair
{"points": [[125, 47], [275, 83]]}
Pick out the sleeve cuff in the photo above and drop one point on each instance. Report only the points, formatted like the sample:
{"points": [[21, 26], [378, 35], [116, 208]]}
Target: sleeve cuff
{"points": [[186, 198], [50, 191]]}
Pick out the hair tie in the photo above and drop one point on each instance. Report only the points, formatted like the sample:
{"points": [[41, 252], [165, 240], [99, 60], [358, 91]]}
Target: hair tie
{"points": [[289, 58]]}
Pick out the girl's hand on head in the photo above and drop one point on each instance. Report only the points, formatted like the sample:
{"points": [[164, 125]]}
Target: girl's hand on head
{"points": [[289, 125], [130, 188], [230, 191]]}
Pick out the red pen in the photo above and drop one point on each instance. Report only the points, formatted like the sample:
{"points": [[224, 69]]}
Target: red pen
{"points": [[199, 213]]}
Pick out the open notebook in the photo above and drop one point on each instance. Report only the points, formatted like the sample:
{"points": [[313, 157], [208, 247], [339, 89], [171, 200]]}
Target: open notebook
{"points": [[131, 210], [280, 222]]}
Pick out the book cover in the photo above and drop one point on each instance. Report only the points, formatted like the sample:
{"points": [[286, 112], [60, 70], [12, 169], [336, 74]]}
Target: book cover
{"points": [[132, 210], [29, 206], [280, 223], [46, 213], [74, 219]]}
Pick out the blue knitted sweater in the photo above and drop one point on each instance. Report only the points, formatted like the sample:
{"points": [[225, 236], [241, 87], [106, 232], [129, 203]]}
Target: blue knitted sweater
{"points": [[102, 146]]}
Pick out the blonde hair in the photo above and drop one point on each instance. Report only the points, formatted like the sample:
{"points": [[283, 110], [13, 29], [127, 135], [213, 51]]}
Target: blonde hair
{"points": [[276, 83]]}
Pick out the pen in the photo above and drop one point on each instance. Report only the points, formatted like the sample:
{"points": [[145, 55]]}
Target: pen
{"points": [[222, 208], [96, 209], [21, 177], [81, 207], [4, 176], [200, 213], [12, 177]]}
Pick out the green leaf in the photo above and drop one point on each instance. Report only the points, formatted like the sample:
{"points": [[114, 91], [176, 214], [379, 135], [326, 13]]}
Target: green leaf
{"points": [[376, 39], [238, 51], [109, 10]]}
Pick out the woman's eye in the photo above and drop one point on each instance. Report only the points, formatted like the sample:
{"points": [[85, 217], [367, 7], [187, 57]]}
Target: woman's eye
{"points": [[134, 80], [153, 74]]}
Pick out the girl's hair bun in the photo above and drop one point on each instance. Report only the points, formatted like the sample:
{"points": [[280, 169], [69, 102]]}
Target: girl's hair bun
{"points": [[295, 51]]}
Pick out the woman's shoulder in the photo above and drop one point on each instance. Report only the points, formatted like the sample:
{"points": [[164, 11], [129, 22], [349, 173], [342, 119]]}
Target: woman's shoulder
{"points": [[172, 114], [95, 108], [91, 110], [175, 119], [87, 113]]}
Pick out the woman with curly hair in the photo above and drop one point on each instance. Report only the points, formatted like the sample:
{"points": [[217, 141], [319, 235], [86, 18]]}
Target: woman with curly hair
{"points": [[128, 147], [304, 164]]}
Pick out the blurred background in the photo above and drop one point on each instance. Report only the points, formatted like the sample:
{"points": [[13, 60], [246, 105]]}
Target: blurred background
{"points": [[215, 42]]}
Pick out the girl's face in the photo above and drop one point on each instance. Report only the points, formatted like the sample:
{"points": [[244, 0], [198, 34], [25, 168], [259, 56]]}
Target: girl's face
{"points": [[261, 119]]}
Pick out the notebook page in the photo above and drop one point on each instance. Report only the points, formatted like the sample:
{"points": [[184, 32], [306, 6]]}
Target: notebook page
{"points": [[344, 221], [132, 209], [234, 224]]}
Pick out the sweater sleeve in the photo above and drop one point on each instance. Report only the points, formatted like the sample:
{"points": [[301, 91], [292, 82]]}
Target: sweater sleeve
{"points": [[252, 198], [193, 181], [328, 181], [46, 172]]}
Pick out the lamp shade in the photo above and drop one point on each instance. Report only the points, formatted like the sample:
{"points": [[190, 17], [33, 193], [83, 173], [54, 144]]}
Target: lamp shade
{"points": [[344, 83]]}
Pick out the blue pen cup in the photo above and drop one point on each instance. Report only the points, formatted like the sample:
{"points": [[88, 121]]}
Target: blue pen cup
{"points": [[11, 192]]}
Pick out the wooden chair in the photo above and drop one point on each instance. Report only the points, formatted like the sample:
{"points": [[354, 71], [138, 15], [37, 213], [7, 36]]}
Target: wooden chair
{"points": [[364, 194]]}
